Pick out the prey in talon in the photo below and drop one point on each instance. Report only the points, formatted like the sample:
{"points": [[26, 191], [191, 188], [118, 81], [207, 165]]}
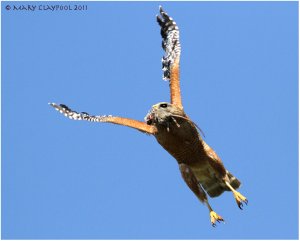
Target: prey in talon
{"points": [[200, 166]]}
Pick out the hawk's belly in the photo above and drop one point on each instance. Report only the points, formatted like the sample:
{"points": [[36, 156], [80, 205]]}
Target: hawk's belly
{"points": [[185, 144], [203, 173]]}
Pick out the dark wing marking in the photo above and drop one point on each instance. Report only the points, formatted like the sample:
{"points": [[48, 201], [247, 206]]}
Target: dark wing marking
{"points": [[74, 115], [170, 61]]}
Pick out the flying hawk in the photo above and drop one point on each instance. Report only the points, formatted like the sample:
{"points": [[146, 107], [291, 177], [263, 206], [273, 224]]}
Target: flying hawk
{"points": [[200, 167]]}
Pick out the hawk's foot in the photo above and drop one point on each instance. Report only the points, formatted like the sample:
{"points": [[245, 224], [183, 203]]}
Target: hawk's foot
{"points": [[214, 217], [240, 199]]}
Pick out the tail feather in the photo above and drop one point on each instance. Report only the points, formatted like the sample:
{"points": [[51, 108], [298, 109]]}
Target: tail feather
{"points": [[233, 181], [215, 188]]}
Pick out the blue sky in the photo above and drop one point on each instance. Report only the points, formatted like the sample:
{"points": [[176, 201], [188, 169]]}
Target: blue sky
{"points": [[78, 180]]}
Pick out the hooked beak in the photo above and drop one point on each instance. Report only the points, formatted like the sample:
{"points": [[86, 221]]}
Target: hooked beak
{"points": [[151, 115], [149, 118]]}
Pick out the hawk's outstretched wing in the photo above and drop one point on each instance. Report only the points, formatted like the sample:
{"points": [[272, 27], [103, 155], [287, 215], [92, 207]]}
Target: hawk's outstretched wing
{"points": [[141, 126], [170, 61]]}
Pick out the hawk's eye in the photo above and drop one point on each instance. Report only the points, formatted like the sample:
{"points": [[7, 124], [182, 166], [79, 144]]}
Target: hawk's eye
{"points": [[163, 105]]}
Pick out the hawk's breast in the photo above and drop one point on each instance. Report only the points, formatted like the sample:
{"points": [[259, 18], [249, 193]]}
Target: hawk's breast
{"points": [[182, 141]]}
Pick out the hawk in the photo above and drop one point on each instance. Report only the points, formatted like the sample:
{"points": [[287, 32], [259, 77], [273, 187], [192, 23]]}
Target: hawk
{"points": [[200, 166]]}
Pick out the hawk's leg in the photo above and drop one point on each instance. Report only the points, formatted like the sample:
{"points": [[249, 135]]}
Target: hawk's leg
{"points": [[239, 198], [195, 186]]}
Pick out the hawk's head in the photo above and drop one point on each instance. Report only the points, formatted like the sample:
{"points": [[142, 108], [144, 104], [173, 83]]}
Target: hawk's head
{"points": [[162, 113]]}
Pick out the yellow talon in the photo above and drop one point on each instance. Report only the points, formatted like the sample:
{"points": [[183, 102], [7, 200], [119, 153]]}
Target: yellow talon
{"points": [[214, 217], [240, 199]]}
